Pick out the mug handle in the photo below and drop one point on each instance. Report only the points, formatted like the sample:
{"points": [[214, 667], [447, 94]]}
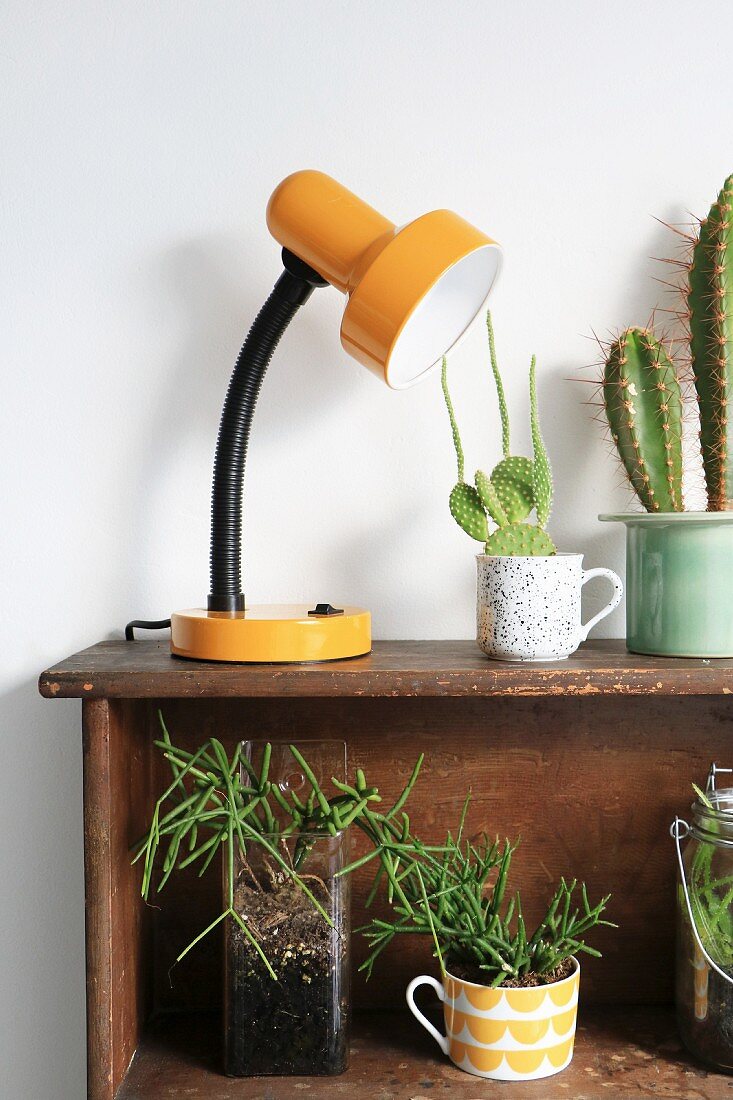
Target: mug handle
{"points": [[618, 591], [426, 979]]}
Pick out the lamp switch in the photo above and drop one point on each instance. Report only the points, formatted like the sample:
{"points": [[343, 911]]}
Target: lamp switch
{"points": [[326, 609]]}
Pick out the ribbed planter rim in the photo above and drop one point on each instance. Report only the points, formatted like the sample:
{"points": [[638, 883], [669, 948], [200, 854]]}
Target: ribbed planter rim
{"points": [[666, 517], [532, 557]]}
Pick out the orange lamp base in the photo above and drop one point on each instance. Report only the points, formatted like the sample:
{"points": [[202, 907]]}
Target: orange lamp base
{"points": [[270, 633]]}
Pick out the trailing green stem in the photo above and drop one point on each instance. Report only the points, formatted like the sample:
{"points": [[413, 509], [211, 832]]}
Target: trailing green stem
{"points": [[219, 802], [452, 900]]}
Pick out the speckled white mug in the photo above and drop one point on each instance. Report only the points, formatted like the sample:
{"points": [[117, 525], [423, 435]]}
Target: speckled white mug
{"points": [[528, 609]]}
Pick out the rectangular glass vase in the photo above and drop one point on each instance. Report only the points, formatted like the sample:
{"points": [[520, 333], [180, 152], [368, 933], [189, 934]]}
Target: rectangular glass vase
{"points": [[299, 1023]]}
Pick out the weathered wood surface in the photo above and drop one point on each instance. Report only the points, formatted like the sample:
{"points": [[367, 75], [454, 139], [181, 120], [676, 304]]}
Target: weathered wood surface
{"points": [[619, 1053], [145, 669], [117, 768], [588, 761]]}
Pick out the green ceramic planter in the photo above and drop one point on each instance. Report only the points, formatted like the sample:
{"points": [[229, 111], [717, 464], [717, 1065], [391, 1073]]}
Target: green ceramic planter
{"points": [[679, 583]]}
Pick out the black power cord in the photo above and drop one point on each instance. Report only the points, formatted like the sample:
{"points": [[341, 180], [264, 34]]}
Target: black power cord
{"points": [[144, 624]]}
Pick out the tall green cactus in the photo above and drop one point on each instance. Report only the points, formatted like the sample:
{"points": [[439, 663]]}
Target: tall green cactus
{"points": [[641, 391], [515, 487], [710, 304], [643, 403]]}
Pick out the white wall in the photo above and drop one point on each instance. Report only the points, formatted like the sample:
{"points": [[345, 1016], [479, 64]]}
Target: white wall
{"points": [[139, 143]]}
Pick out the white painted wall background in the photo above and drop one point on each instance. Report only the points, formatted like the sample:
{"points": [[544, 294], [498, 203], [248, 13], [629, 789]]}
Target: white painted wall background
{"points": [[138, 145]]}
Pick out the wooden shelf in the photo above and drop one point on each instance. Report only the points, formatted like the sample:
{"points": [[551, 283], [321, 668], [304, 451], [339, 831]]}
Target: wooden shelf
{"points": [[619, 1053], [143, 669], [587, 760]]}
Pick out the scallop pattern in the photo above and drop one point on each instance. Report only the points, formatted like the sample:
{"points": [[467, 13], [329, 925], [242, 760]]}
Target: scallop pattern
{"points": [[511, 1034]]}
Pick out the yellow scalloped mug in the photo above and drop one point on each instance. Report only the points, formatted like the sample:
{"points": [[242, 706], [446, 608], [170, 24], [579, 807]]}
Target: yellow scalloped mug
{"points": [[504, 1034]]}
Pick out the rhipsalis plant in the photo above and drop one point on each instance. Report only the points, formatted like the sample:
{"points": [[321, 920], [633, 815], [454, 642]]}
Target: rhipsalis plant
{"points": [[216, 803], [641, 388], [457, 895], [515, 486]]}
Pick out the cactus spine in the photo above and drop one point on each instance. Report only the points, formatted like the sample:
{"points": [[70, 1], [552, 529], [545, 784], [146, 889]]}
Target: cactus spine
{"points": [[643, 403], [515, 487], [710, 304]]}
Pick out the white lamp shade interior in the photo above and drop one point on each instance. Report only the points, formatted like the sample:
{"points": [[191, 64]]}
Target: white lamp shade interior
{"points": [[443, 316]]}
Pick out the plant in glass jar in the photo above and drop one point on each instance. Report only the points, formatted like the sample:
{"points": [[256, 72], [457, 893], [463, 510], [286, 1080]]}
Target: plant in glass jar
{"points": [[712, 893], [705, 926], [493, 967], [286, 901]]}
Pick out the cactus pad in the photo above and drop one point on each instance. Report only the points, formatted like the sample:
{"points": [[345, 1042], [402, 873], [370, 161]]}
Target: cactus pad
{"points": [[710, 304], [520, 540], [468, 512], [512, 479], [643, 402], [490, 498]]}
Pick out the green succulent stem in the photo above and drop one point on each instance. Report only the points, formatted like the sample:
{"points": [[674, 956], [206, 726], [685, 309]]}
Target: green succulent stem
{"points": [[453, 423], [541, 472], [236, 808], [456, 896], [515, 486], [503, 411]]}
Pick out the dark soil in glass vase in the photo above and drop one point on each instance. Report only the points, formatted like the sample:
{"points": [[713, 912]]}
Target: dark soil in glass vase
{"points": [[297, 1024]]}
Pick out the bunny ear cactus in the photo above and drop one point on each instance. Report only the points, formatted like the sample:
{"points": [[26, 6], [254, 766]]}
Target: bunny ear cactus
{"points": [[710, 304], [643, 403], [516, 485]]}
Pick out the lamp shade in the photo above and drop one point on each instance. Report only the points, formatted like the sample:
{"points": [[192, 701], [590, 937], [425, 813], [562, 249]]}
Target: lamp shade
{"points": [[412, 291]]}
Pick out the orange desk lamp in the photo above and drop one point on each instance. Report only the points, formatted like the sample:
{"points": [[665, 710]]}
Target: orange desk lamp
{"points": [[412, 294]]}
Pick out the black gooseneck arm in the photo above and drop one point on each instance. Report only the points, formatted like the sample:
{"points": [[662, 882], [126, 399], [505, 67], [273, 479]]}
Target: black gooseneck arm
{"points": [[291, 291]]}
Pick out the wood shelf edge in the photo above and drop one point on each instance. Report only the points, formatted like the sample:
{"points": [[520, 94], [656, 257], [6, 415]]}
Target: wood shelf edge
{"points": [[451, 669]]}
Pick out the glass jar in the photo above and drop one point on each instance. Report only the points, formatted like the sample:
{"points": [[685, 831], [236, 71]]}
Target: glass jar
{"points": [[704, 974], [298, 1022]]}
